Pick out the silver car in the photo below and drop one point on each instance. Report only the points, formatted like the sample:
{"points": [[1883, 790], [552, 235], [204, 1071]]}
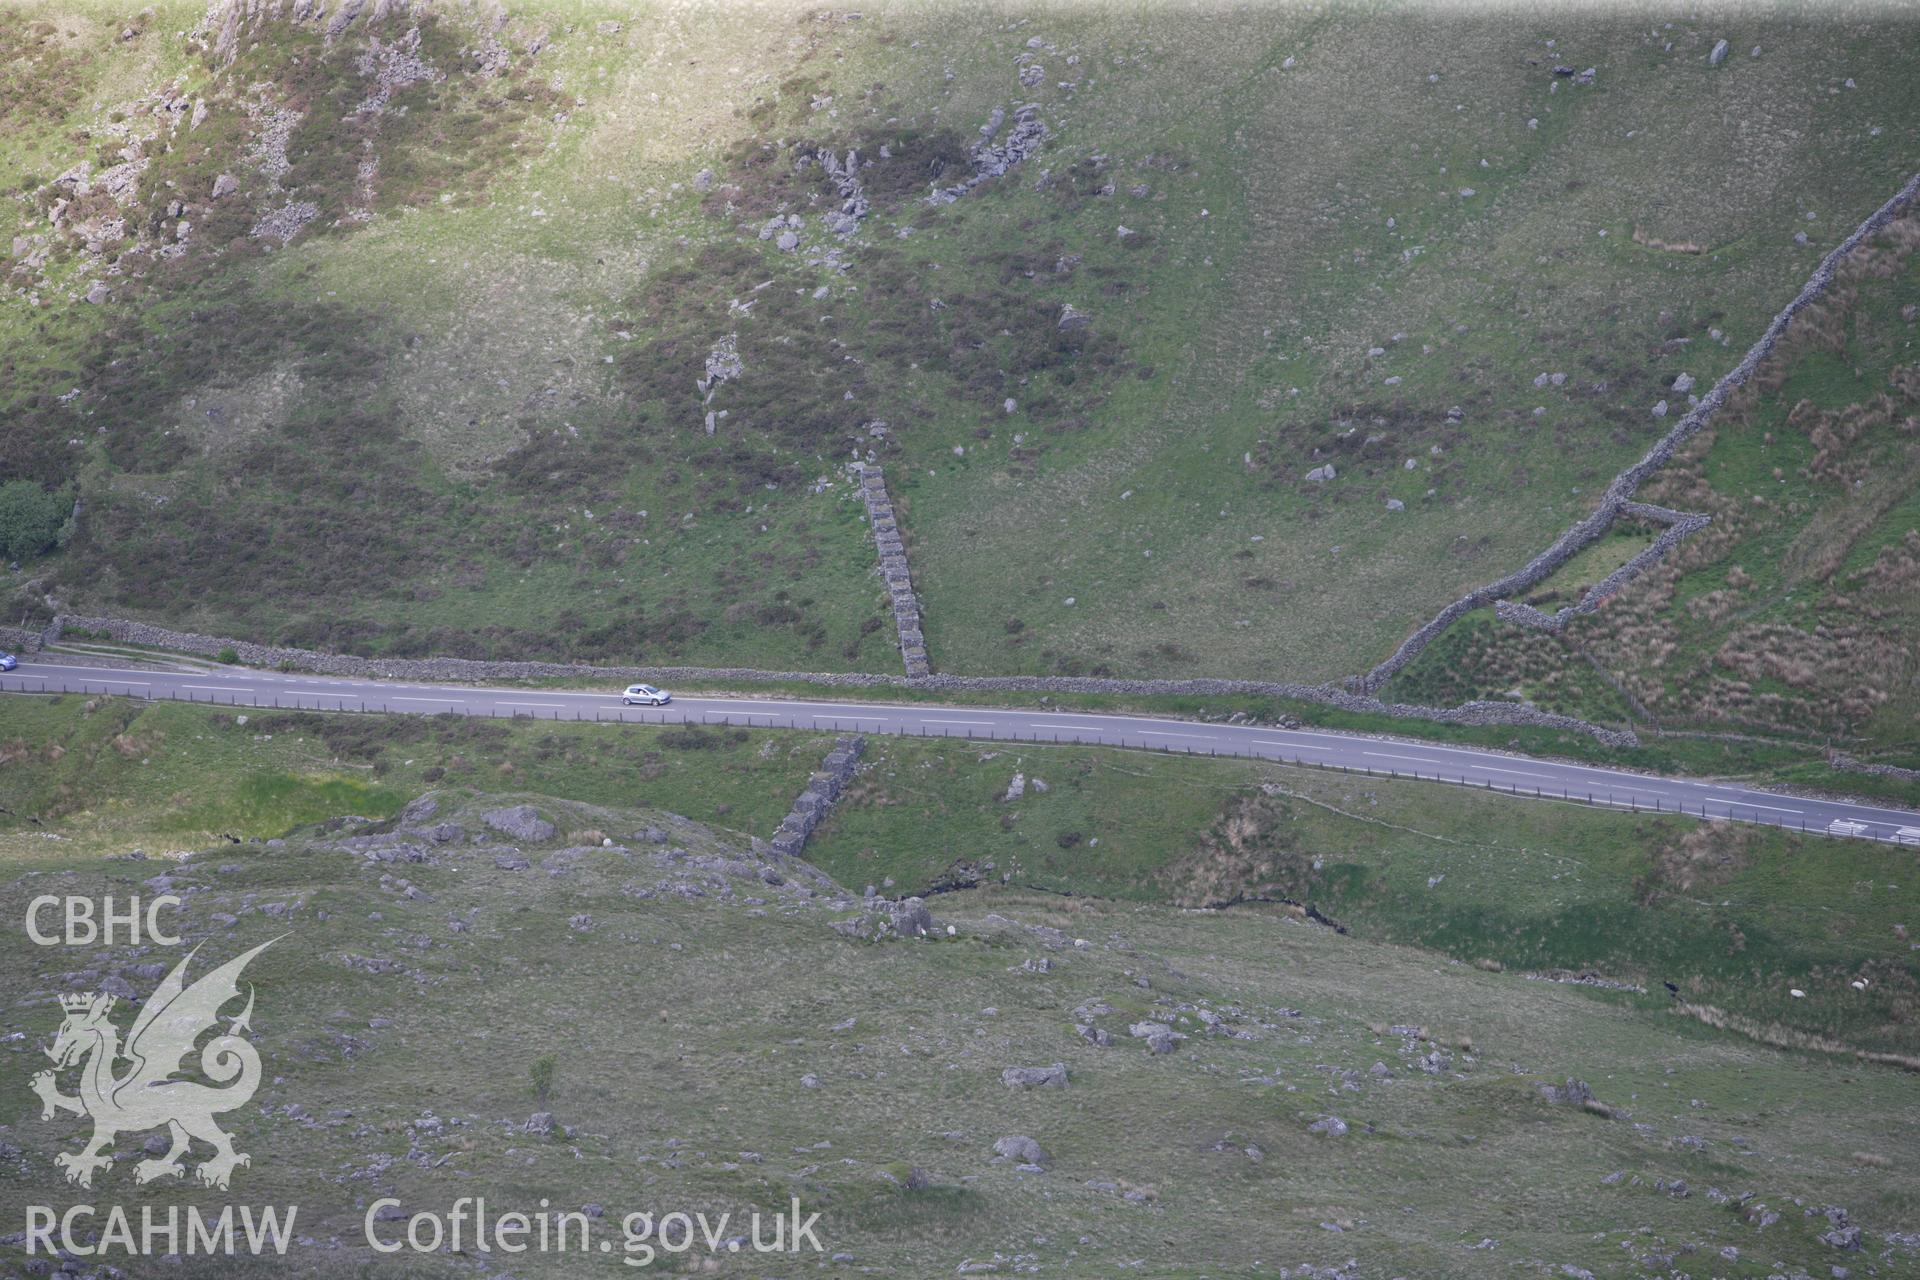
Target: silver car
{"points": [[645, 695]]}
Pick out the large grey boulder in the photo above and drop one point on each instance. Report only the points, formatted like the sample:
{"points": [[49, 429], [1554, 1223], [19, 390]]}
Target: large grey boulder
{"points": [[520, 821], [1053, 1077], [1719, 54], [911, 919]]}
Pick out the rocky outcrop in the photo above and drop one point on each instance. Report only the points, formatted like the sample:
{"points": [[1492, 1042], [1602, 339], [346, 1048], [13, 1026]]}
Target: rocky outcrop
{"points": [[520, 821], [823, 788], [991, 159], [844, 173], [893, 567], [227, 21]]}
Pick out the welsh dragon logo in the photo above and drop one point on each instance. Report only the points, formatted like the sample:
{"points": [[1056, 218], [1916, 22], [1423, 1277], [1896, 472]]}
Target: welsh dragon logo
{"points": [[147, 1095]]}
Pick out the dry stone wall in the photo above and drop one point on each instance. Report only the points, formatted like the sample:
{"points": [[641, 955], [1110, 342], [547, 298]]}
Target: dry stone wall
{"points": [[893, 567], [26, 640], [823, 788], [1844, 763], [1679, 524], [1621, 491]]}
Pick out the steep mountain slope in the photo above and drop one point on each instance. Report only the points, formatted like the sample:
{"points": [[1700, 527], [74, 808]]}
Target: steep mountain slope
{"points": [[550, 330]]}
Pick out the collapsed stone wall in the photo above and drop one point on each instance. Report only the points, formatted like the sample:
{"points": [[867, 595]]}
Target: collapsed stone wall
{"points": [[893, 567], [26, 640], [822, 789], [1618, 494]]}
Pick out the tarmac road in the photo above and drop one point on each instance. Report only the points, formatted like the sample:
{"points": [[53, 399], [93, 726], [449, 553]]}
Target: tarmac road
{"points": [[1518, 775]]}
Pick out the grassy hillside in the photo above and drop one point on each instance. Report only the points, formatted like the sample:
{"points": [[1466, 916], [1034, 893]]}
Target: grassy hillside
{"points": [[455, 409], [405, 1010]]}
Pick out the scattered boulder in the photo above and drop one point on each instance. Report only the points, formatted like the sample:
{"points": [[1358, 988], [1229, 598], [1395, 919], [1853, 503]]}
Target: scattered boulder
{"points": [[1072, 317], [1053, 1077], [1022, 1150], [1331, 1126], [1719, 54], [224, 186], [1847, 1238], [1574, 1094], [1160, 1037], [1322, 474], [1164, 1042]]}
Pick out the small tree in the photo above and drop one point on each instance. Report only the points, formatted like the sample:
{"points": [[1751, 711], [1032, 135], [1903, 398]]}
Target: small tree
{"points": [[30, 518]]}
